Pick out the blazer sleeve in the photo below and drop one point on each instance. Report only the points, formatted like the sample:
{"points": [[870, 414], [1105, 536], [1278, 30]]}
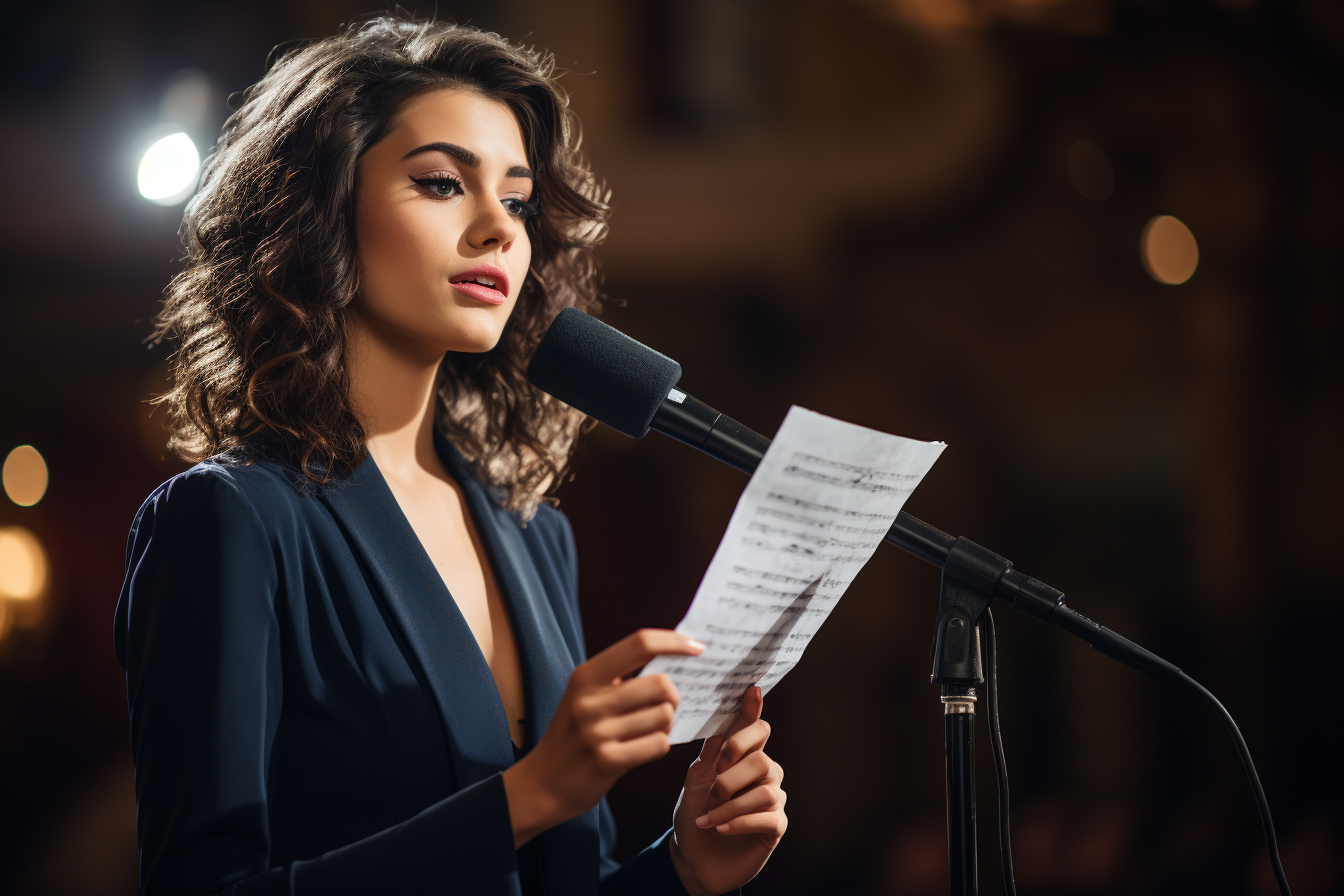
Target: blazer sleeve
{"points": [[199, 636]]}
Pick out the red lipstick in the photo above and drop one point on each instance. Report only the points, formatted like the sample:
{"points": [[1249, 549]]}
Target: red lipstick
{"points": [[494, 289]]}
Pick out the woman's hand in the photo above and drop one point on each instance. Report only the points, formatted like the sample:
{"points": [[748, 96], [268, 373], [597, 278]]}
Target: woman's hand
{"points": [[603, 727], [731, 813]]}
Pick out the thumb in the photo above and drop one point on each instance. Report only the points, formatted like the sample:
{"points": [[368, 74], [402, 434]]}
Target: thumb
{"points": [[703, 772], [705, 769], [752, 704]]}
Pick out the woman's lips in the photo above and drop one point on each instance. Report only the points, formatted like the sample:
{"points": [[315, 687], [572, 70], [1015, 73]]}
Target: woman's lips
{"points": [[465, 281], [480, 292]]}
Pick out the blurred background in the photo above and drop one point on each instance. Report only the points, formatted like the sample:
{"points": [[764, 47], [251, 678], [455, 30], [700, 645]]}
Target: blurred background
{"points": [[1094, 245]]}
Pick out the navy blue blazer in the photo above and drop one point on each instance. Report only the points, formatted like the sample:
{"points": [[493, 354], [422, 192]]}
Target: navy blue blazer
{"points": [[310, 712]]}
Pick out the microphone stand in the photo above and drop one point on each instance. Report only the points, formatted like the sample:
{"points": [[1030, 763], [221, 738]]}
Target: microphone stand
{"points": [[972, 578], [610, 376], [969, 576]]}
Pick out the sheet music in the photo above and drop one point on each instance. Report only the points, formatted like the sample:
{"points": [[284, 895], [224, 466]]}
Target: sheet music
{"points": [[816, 508]]}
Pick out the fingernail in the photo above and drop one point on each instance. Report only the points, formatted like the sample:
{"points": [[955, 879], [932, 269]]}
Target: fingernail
{"points": [[702, 821], [723, 828], [696, 644]]}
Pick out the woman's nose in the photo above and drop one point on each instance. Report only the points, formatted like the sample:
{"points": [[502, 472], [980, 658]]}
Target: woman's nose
{"points": [[492, 226]]}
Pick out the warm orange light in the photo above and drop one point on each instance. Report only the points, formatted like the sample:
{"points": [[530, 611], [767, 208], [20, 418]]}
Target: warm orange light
{"points": [[1169, 251], [23, 565], [25, 476]]}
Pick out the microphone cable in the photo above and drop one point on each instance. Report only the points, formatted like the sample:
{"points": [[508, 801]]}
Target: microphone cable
{"points": [[1001, 765], [1271, 841], [996, 748], [630, 387]]}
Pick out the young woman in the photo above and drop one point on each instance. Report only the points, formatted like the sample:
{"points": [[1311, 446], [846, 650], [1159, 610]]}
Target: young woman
{"points": [[353, 654]]}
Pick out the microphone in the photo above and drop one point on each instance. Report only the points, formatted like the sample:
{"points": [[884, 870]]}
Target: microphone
{"points": [[623, 383], [597, 369], [602, 372]]}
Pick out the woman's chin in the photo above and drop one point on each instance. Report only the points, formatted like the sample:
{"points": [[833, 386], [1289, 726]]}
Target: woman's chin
{"points": [[474, 332], [474, 342]]}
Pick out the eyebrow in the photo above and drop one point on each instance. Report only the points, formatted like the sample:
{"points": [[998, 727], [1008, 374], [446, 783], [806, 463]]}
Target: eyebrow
{"points": [[466, 157]]}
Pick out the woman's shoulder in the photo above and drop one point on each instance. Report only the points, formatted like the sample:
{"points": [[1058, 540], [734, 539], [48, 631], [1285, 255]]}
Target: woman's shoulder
{"points": [[550, 541], [226, 488], [204, 545], [552, 528]]}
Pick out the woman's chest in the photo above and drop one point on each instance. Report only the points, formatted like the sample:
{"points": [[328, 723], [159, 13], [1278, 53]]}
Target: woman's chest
{"points": [[437, 513], [360, 742], [380, 664]]}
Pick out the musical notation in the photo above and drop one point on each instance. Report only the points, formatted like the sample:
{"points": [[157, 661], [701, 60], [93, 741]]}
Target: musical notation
{"points": [[818, 505]]}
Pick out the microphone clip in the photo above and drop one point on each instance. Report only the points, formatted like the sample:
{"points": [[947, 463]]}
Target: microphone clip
{"points": [[970, 576]]}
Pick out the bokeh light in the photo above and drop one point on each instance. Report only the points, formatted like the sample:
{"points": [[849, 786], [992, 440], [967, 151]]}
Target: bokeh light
{"points": [[25, 476], [1169, 251], [23, 565], [168, 170]]}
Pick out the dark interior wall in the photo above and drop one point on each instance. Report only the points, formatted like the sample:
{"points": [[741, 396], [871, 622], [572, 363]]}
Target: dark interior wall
{"points": [[863, 208]]}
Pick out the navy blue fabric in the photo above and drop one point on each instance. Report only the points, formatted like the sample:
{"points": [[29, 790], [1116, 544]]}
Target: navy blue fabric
{"points": [[309, 710]]}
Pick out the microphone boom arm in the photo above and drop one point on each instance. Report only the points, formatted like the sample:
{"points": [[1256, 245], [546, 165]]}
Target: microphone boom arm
{"points": [[630, 387], [687, 419], [973, 578]]}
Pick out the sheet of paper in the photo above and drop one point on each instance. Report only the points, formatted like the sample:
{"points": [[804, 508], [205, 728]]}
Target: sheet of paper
{"points": [[816, 508]]}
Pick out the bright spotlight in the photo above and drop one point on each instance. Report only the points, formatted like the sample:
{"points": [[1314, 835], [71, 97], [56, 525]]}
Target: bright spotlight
{"points": [[168, 170]]}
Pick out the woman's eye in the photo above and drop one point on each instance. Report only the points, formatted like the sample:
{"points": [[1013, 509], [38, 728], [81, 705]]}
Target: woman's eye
{"points": [[440, 186], [520, 209]]}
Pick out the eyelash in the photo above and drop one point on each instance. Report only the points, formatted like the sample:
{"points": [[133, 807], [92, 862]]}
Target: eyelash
{"points": [[516, 207]]}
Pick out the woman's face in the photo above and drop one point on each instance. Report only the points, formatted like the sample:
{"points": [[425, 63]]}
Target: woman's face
{"points": [[440, 204]]}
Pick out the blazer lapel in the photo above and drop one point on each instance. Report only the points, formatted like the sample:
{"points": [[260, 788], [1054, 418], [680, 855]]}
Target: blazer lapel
{"points": [[545, 659], [567, 852], [433, 628]]}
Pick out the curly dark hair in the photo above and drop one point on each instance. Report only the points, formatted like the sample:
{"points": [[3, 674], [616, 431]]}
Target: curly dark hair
{"points": [[260, 308]]}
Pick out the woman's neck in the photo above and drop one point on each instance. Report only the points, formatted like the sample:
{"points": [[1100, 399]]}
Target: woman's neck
{"points": [[392, 389]]}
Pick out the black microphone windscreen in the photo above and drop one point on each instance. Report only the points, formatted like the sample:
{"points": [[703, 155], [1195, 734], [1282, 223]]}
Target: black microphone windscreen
{"points": [[603, 372]]}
